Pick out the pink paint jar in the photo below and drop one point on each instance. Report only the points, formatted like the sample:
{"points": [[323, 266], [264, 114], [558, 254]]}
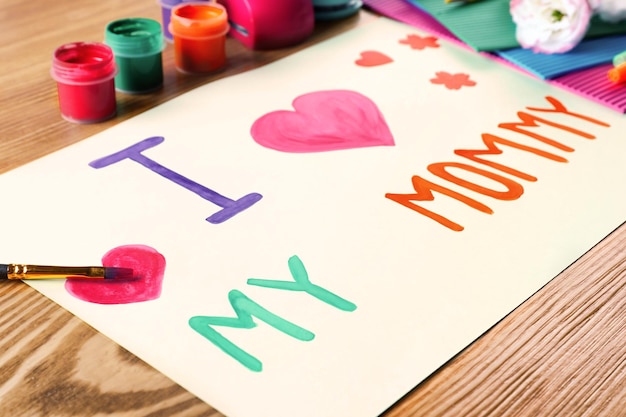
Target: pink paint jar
{"points": [[85, 72]]}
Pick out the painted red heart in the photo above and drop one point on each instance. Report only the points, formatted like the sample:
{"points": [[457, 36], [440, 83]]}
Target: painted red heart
{"points": [[148, 267], [373, 59], [324, 121]]}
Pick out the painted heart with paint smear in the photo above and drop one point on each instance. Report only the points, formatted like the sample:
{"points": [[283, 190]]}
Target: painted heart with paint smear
{"points": [[373, 59], [148, 268], [324, 121]]}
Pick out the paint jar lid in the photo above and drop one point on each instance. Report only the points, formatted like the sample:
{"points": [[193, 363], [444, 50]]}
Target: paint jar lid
{"points": [[199, 20], [83, 63], [134, 37], [335, 9], [170, 3]]}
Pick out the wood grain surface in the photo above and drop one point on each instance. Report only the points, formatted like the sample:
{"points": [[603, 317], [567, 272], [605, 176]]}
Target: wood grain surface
{"points": [[562, 353]]}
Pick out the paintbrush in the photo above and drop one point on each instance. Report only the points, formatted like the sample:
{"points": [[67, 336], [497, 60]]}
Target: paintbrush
{"points": [[19, 271]]}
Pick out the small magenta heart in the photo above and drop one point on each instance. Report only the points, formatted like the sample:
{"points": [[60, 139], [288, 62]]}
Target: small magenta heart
{"points": [[373, 59], [324, 121], [148, 267]]}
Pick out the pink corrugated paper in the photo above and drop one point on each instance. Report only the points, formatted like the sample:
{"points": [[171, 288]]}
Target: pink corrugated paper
{"points": [[594, 85]]}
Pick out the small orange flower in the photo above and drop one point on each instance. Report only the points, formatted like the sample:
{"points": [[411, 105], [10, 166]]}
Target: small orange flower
{"points": [[419, 42], [453, 81]]}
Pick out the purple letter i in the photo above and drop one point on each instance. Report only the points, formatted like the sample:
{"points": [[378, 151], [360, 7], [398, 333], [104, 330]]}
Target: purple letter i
{"points": [[229, 207]]}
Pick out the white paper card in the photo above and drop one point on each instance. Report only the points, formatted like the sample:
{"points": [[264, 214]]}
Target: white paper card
{"points": [[326, 280]]}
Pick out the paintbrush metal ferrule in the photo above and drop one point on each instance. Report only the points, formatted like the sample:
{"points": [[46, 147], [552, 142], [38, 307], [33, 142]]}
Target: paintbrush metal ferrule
{"points": [[21, 271]]}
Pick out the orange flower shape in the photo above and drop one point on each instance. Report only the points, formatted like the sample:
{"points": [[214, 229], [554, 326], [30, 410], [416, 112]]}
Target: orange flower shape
{"points": [[419, 42], [452, 81]]}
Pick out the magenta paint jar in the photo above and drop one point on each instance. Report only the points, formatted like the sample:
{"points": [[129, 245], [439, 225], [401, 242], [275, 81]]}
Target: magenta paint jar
{"points": [[85, 72]]}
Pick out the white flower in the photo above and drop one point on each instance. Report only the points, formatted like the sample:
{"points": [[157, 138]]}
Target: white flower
{"points": [[550, 26], [609, 10]]}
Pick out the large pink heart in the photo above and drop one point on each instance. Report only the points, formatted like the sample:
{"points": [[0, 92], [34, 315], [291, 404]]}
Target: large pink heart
{"points": [[324, 121], [148, 268]]}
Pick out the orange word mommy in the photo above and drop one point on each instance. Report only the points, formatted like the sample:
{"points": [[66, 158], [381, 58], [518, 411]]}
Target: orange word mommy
{"points": [[511, 189]]}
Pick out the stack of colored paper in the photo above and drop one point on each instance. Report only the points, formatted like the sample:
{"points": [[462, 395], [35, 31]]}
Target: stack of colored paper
{"points": [[487, 27]]}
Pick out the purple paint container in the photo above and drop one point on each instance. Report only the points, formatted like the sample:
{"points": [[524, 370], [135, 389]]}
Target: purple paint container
{"points": [[166, 14]]}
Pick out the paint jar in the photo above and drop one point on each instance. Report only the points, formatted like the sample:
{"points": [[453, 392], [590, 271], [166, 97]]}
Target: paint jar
{"points": [[166, 13], [137, 44], [335, 9], [85, 76], [199, 31]]}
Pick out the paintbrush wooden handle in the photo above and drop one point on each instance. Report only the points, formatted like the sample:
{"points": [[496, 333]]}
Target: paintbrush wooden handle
{"points": [[21, 271]]}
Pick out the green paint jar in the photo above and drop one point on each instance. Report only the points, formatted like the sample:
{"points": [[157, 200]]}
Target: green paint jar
{"points": [[137, 44]]}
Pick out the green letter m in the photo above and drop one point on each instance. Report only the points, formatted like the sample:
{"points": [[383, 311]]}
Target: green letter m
{"points": [[245, 308]]}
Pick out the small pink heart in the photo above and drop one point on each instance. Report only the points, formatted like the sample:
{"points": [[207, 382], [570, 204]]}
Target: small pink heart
{"points": [[373, 59], [324, 121], [148, 266]]}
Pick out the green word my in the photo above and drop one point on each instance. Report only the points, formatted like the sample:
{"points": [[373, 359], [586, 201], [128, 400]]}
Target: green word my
{"points": [[246, 309]]}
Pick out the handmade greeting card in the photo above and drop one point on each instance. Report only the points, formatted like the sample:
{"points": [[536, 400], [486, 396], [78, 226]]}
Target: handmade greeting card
{"points": [[317, 236]]}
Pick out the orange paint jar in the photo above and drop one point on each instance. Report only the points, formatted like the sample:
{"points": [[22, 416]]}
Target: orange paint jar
{"points": [[199, 32]]}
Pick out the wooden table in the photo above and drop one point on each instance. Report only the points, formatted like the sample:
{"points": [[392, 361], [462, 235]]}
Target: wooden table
{"points": [[562, 353]]}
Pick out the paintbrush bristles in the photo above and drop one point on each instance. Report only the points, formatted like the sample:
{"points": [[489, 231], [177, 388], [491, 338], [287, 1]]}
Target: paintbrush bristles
{"points": [[119, 273]]}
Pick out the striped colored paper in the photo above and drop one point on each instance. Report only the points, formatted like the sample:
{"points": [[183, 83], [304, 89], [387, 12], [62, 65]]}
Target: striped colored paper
{"points": [[594, 84], [587, 54], [573, 75], [486, 25]]}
